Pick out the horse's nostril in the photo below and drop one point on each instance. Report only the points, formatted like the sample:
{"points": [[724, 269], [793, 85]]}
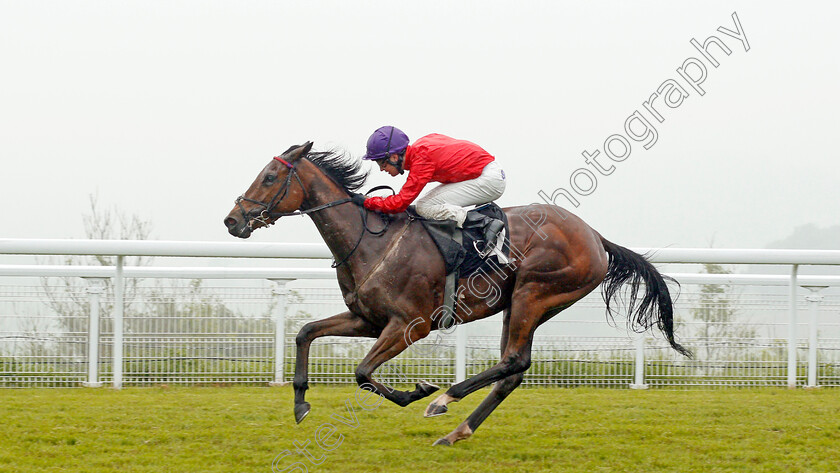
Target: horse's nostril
{"points": [[230, 222]]}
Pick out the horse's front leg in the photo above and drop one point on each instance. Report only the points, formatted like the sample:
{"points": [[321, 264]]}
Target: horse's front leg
{"points": [[345, 324], [395, 338]]}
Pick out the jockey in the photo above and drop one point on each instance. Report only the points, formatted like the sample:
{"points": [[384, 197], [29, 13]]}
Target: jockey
{"points": [[468, 174]]}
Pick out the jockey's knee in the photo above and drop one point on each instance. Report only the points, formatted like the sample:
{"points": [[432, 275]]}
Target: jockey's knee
{"points": [[426, 209], [436, 211]]}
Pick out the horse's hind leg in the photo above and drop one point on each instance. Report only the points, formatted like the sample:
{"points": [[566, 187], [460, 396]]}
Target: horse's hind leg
{"points": [[529, 309], [438, 406], [500, 391], [344, 324], [516, 357]]}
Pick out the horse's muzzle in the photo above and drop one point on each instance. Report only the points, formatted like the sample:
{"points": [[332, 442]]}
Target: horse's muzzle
{"points": [[237, 227]]}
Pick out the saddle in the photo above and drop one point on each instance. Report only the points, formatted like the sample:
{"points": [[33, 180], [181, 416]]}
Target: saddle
{"points": [[460, 253], [459, 246]]}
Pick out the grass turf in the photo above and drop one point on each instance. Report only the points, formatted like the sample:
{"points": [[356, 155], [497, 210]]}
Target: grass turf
{"points": [[245, 429]]}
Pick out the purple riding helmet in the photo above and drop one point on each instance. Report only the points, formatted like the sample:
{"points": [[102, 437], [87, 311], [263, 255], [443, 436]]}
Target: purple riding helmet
{"points": [[386, 141]]}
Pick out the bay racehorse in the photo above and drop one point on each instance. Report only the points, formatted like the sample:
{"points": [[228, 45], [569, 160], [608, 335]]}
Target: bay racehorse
{"points": [[391, 275]]}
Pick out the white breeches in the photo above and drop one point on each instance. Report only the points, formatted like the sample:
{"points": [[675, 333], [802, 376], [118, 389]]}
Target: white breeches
{"points": [[447, 201]]}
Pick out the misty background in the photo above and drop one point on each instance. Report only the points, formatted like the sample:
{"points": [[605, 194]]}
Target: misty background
{"points": [[164, 112], [169, 110]]}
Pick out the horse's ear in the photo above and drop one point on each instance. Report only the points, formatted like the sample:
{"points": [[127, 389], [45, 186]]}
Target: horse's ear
{"points": [[296, 152]]}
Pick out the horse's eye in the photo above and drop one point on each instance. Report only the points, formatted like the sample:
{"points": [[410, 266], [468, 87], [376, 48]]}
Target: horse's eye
{"points": [[270, 178]]}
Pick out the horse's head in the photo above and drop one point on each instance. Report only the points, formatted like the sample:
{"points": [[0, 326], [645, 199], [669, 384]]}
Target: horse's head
{"points": [[276, 190]]}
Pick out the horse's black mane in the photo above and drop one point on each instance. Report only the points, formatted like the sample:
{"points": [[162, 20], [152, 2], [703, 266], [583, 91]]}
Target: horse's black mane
{"points": [[344, 170]]}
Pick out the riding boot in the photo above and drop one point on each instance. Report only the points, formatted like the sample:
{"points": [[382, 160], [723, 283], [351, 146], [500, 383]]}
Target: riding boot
{"points": [[491, 234], [492, 227], [475, 220]]}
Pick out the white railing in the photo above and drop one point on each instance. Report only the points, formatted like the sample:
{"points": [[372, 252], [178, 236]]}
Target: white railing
{"points": [[462, 345]]}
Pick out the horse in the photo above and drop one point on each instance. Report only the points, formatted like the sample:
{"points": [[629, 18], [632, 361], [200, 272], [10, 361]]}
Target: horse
{"points": [[392, 278]]}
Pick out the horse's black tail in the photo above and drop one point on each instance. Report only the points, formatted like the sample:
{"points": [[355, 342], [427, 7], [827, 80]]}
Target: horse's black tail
{"points": [[655, 307]]}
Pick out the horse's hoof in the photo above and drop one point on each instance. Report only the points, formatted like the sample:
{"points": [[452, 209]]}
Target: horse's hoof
{"points": [[442, 441], [426, 388], [301, 411], [435, 410]]}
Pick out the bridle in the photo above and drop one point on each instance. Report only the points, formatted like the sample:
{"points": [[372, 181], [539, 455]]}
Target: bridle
{"points": [[265, 216], [263, 213]]}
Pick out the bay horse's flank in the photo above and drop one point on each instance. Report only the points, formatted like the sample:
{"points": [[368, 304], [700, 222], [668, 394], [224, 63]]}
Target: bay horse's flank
{"points": [[394, 276]]}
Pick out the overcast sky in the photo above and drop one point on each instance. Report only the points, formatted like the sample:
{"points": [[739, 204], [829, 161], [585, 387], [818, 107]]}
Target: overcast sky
{"points": [[168, 110]]}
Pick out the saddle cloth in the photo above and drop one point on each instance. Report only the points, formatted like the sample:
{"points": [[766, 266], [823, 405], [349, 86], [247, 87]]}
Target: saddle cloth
{"points": [[463, 256]]}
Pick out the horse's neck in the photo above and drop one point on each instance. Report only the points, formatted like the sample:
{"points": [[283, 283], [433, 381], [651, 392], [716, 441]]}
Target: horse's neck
{"points": [[341, 226]]}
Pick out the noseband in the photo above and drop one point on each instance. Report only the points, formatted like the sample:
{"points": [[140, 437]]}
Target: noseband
{"points": [[264, 215]]}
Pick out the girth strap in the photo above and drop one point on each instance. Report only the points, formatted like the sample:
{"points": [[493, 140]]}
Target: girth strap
{"points": [[451, 286]]}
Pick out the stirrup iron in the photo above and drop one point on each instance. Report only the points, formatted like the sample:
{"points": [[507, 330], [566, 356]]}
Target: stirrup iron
{"points": [[485, 252]]}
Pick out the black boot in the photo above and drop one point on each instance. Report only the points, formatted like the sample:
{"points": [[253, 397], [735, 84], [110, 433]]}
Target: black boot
{"points": [[491, 234], [492, 227], [476, 220]]}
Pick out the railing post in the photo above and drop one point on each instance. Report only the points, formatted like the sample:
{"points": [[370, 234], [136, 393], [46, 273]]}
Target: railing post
{"points": [[282, 294], [119, 311], [639, 372], [814, 299], [460, 353], [791, 375], [96, 286]]}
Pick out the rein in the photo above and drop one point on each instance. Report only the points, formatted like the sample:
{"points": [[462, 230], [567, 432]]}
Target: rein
{"points": [[268, 218]]}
